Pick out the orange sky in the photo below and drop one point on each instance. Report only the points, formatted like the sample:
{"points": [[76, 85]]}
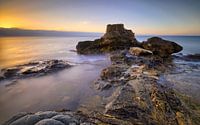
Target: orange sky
{"points": [[68, 15]]}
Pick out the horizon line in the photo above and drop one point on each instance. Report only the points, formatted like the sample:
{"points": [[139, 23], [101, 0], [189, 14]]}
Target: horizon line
{"points": [[52, 30]]}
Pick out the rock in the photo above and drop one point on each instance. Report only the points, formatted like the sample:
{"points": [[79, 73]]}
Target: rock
{"points": [[27, 120], [49, 122], [46, 114], [14, 118], [35, 68], [161, 47], [115, 38], [89, 47], [66, 119], [112, 72], [139, 51]]}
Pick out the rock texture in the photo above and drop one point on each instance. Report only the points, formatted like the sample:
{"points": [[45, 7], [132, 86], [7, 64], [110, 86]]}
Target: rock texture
{"points": [[133, 91], [35, 68], [138, 92], [161, 47], [115, 38], [49, 118], [119, 38], [137, 51]]}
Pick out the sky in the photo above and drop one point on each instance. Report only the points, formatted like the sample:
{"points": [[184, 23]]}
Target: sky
{"points": [[161, 17]]}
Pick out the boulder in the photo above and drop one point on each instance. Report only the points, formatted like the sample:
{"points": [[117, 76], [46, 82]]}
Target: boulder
{"points": [[115, 38], [49, 122], [161, 47], [137, 51], [27, 120]]}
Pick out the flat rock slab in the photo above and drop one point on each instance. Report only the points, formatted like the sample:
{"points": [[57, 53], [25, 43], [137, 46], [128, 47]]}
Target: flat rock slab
{"points": [[35, 68]]}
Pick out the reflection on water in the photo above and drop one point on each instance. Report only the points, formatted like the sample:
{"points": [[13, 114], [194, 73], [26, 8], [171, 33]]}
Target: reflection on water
{"points": [[20, 50]]}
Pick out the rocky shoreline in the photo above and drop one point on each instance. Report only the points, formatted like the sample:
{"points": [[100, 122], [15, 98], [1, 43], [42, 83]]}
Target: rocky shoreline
{"points": [[33, 69], [134, 90]]}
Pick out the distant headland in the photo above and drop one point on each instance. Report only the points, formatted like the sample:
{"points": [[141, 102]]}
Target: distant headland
{"points": [[28, 32]]}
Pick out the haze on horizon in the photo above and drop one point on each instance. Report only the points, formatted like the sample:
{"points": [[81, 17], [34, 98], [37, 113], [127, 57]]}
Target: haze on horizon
{"points": [[171, 17]]}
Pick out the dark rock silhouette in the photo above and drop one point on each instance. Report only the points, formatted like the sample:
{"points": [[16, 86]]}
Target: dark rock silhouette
{"points": [[115, 38], [161, 47], [119, 38]]}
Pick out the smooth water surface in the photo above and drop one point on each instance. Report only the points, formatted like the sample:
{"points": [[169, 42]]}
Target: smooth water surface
{"points": [[66, 89]]}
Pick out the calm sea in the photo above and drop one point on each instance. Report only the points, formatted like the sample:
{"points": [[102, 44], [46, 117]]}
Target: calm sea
{"points": [[66, 89], [19, 50]]}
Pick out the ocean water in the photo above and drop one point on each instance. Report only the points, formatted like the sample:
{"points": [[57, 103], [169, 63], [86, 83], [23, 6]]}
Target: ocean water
{"points": [[19, 50], [66, 89]]}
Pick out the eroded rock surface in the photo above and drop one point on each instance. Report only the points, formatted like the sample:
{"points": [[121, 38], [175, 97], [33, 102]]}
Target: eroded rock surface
{"points": [[137, 51], [161, 47], [139, 94], [35, 68], [115, 38]]}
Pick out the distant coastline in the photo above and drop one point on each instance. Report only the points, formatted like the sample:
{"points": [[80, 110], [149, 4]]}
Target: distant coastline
{"points": [[13, 32]]}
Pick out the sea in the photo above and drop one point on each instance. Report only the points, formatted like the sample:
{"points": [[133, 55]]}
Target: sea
{"points": [[66, 89]]}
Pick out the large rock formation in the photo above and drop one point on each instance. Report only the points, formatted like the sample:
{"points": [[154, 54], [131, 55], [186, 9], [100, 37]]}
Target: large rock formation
{"points": [[161, 47], [119, 38], [115, 38]]}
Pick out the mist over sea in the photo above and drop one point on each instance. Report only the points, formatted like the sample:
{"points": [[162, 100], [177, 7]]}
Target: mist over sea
{"points": [[19, 50], [66, 89]]}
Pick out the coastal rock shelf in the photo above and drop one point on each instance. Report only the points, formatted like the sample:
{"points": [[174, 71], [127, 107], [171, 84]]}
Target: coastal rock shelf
{"points": [[35, 68]]}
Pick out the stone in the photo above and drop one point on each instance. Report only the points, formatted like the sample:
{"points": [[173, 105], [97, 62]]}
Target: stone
{"points": [[115, 38], [137, 51], [35, 68], [27, 120], [161, 47], [49, 122], [46, 114], [66, 119], [15, 117]]}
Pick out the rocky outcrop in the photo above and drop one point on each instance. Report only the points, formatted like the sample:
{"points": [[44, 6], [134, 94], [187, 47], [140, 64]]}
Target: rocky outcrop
{"points": [[133, 92], [138, 94], [118, 38], [35, 68], [49, 118], [161, 47], [115, 38], [137, 51]]}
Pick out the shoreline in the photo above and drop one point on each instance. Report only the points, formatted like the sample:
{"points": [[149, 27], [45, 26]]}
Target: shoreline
{"points": [[142, 85], [115, 106]]}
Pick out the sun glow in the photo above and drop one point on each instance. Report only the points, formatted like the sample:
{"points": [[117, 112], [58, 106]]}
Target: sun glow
{"points": [[6, 26]]}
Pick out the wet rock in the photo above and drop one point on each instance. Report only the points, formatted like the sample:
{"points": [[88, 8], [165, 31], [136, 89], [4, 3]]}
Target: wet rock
{"points": [[161, 47], [112, 72], [27, 120], [89, 47], [66, 119], [115, 38], [14, 118], [46, 114], [139, 51], [49, 122], [49, 118], [36, 68]]}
